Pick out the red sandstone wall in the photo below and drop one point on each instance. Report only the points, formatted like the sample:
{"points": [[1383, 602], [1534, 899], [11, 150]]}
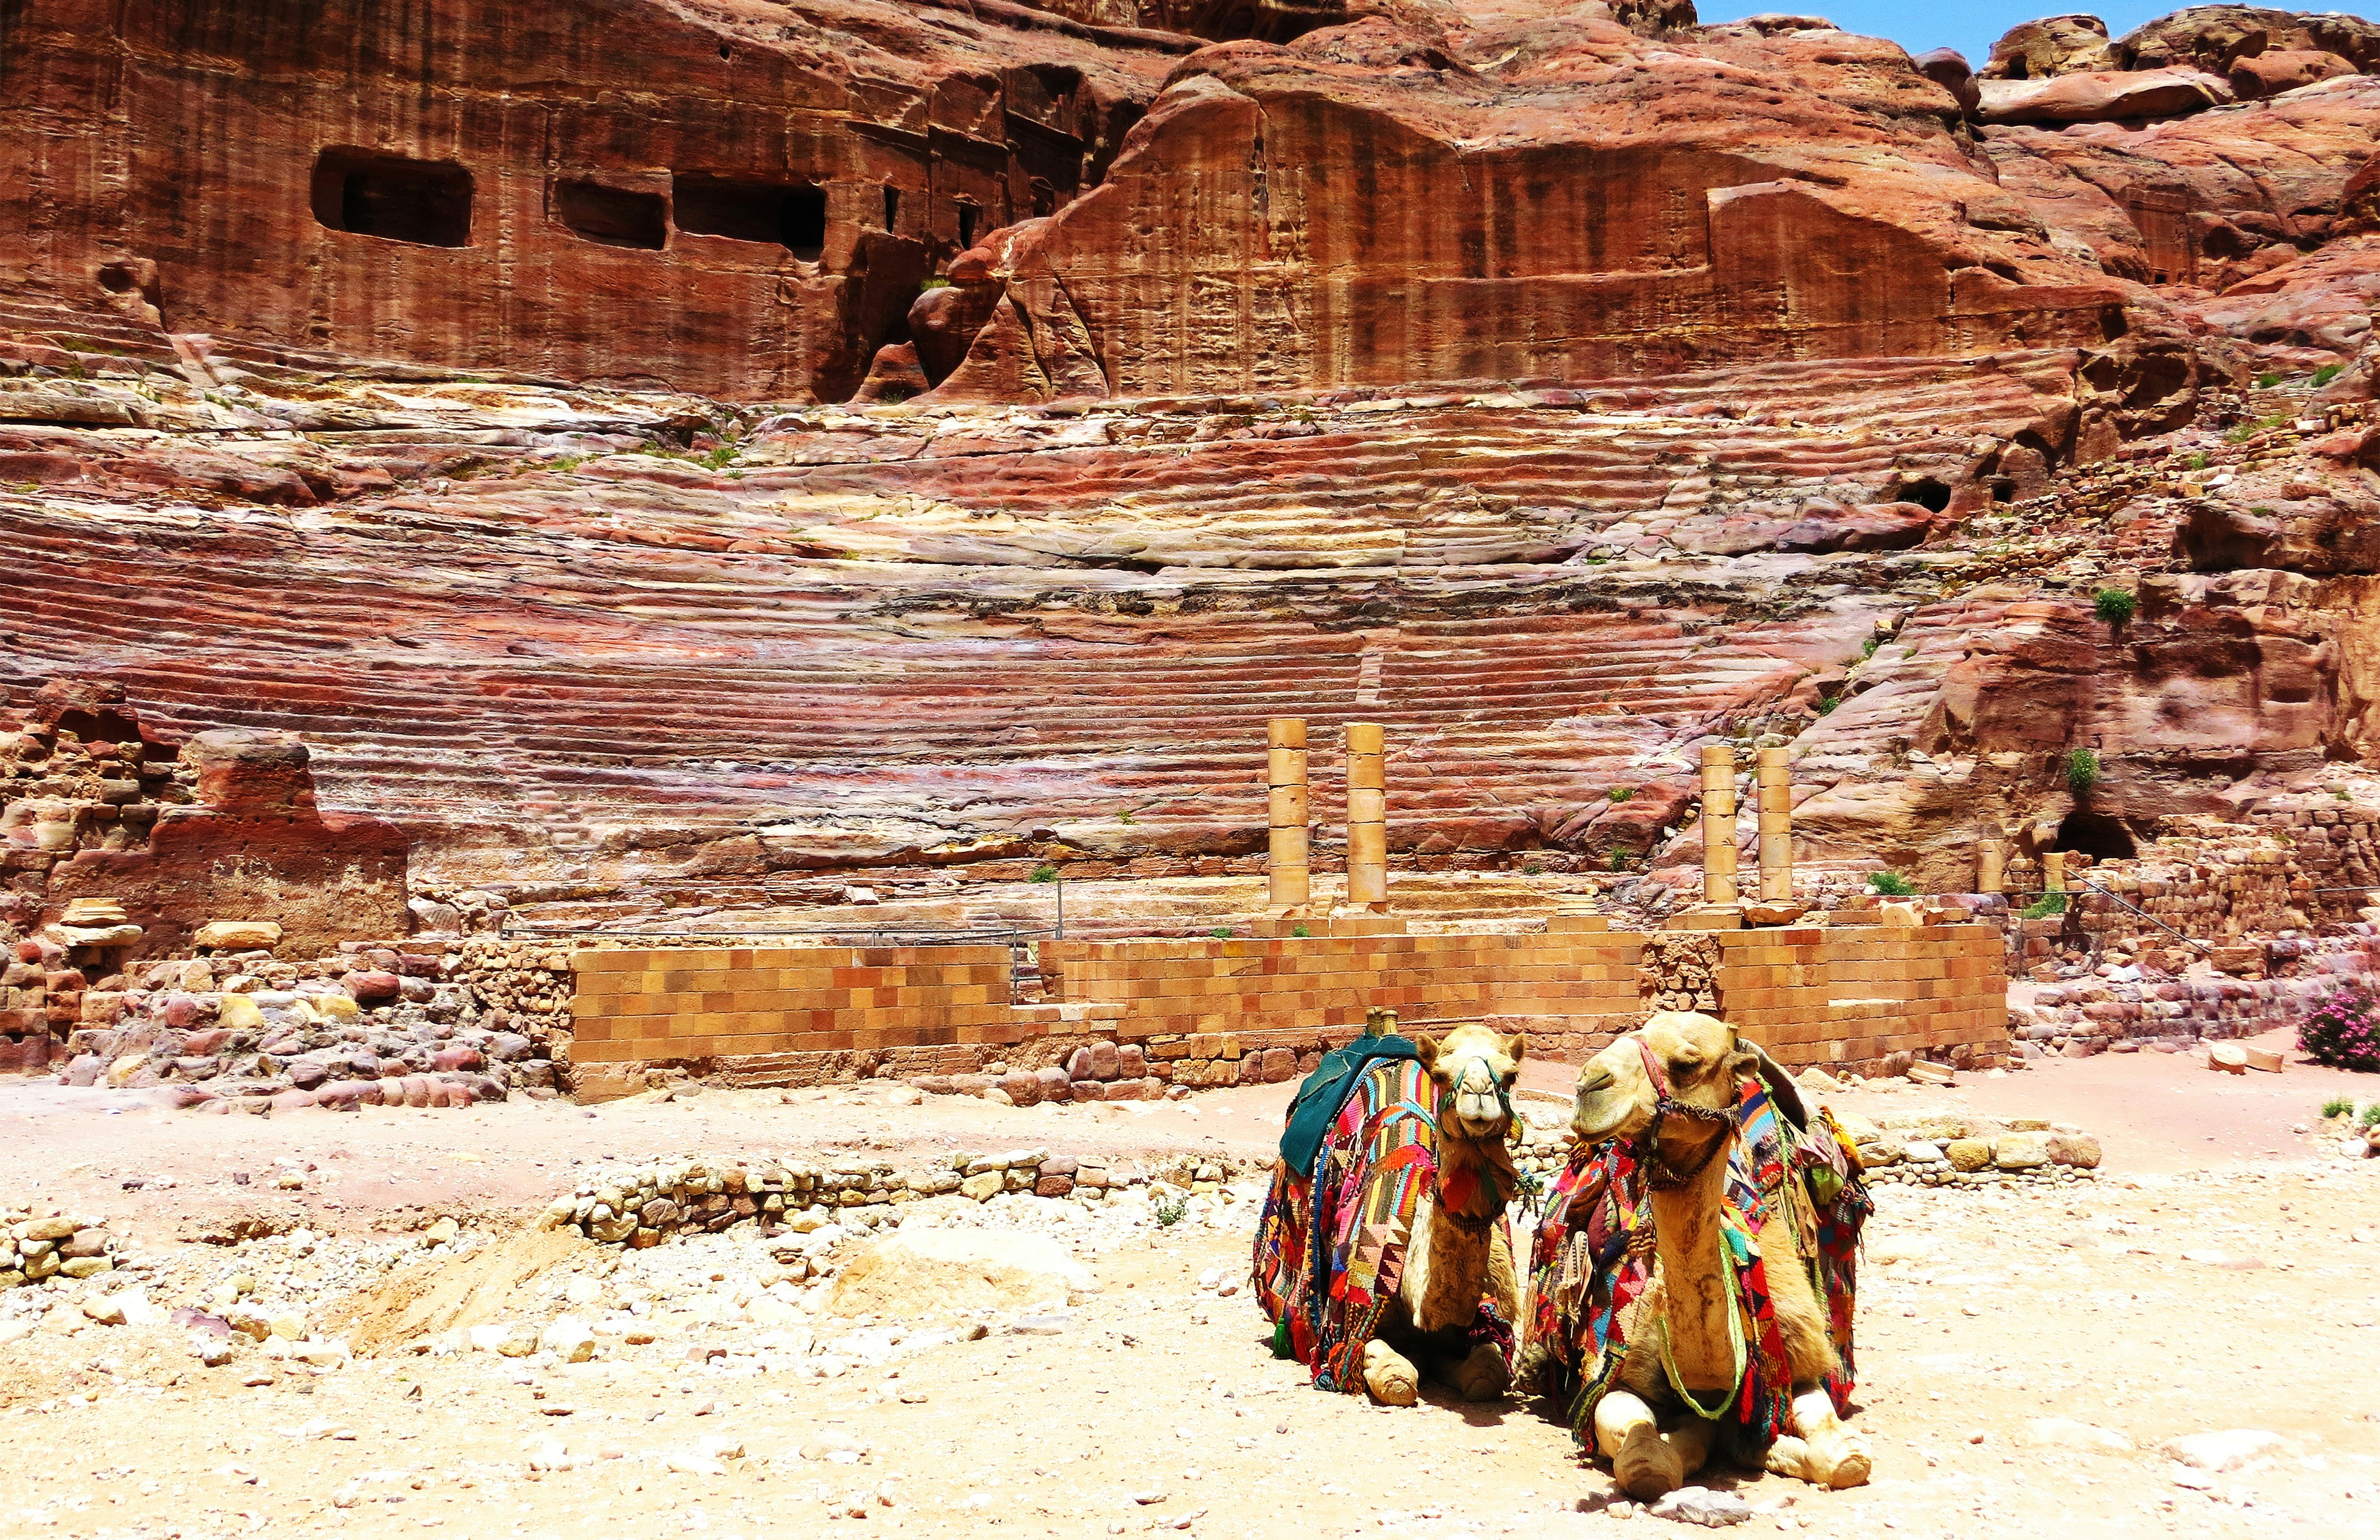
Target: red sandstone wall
{"points": [[185, 134]]}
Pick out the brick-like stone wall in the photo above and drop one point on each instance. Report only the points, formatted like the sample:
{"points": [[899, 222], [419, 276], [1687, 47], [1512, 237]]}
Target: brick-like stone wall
{"points": [[675, 1003], [1223, 1012], [1858, 995]]}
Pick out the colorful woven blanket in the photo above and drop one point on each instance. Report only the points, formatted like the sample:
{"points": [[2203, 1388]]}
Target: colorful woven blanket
{"points": [[1593, 1259], [1331, 1248]]}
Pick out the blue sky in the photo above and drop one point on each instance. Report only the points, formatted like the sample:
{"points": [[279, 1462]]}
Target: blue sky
{"points": [[1969, 26]]}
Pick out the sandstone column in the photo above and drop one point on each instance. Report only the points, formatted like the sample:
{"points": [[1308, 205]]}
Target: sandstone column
{"points": [[2053, 871], [1286, 862], [1776, 805], [1718, 823], [1368, 817], [1990, 861]]}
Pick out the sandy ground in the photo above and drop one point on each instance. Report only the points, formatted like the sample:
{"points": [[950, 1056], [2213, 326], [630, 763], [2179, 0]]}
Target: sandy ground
{"points": [[2223, 1274]]}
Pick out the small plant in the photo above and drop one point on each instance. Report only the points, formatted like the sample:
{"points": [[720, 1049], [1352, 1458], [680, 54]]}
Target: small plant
{"points": [[566, 462], [2326, 373], [934, 283], [1613, 864], [2082, 771], [1170, 1209], [1892, 884], [718, 459], [1300, 932], [1621, 793], [1123, 815], [2049, 906], [2370, 1116], [1533, 869], [2337, 1107], [1222, 933], [1867, 648], [2266, 381], [1826, 704], [2196, 460], [2114, 605], [2339, 794], [1044, 873], [2343, 1032]]}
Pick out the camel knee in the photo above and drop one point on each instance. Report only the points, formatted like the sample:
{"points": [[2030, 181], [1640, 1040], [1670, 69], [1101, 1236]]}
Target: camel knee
{"points": [[1390, 1375], [1832, 1455], [1615, 1416], [1484, 1375]]}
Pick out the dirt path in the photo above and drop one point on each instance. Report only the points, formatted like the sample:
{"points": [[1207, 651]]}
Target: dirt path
{"points": [[2188, 1291]]}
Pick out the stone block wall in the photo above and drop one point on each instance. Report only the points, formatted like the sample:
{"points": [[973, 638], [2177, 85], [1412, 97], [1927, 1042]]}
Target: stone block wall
{"points": [[1247, 1010], [1218, 1002], [642, 1005], [1858, 995]]}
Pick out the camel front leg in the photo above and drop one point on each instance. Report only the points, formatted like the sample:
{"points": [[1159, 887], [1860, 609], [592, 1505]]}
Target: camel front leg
{"points": [[1389, 1375], [1820, 1451], [1644, 1461]]}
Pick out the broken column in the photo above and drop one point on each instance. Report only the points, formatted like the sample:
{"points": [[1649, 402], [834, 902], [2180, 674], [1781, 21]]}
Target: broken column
{"points": [[1368, 817], [1718, 823], [2053, 871], [1990, 864], [1285, 860], [1776, 806]]}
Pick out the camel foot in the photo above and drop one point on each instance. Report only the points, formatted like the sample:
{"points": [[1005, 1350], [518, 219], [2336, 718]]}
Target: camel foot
{"points": [[1390, 1375], [1483, 1376], [1830, 1454], [1647, 1465]]}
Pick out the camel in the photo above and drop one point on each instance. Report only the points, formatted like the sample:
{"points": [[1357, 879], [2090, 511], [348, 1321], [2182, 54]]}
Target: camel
{"points": [[1414, 1177], [1671, 1088]]}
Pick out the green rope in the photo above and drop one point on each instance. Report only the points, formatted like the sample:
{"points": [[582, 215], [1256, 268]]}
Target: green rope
{"points": [[1734, 1337]]}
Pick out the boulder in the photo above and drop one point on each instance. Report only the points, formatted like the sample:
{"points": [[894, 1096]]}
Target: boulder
{"points": [[2285, 70], [237, 936], [2102, 97], [2052, 45]]}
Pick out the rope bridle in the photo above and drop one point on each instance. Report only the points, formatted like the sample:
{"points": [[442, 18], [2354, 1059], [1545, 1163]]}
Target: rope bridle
{"points": [[1658, 1173], [1461, 1082]]}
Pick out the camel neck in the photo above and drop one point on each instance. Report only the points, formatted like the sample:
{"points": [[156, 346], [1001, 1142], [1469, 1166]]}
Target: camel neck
{"points": [[1474, 1176], [1695, 1281]]}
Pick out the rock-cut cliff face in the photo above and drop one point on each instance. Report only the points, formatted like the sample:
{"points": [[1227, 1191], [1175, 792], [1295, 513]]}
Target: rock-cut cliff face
{"points": [[732, 198]]}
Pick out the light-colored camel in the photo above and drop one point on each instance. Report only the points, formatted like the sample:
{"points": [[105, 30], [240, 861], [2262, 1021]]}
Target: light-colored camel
{"points": [[1689, 1299], [1459, 1252]]}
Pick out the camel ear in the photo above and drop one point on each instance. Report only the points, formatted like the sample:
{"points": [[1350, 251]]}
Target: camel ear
{"points": [[1517, 1046], [1426, 1046]]}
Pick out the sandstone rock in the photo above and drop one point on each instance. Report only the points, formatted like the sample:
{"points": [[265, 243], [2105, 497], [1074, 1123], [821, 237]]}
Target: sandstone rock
{"points": [[237, 935], [982, 1185], [2079, 1150], [2102, 96], [1968, 1155], [2060, 1433], [912, 1271], [2270, 74], [2053, 46], [1700, 1505], [2020, 1152], [239, 1013], [2220, 1452]]}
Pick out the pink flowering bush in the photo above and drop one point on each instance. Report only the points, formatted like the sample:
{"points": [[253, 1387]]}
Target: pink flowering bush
{"points": [[2344, 1031]]}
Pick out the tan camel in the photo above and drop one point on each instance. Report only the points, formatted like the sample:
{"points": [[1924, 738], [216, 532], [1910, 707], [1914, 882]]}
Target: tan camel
{"points": [[1459, 1251], [1689, 1300]]}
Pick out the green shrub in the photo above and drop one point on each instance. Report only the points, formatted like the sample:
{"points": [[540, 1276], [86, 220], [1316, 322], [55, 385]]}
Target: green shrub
{"points": [[1533, 869], [2338, 1107], [1621, 793], [2326, 373], [566, 462], [2082, 771], [1170, 1210], [2370, 1116], [1045, 873], [1123, 815], [1300, 932], [2114, 605], [2050, 905], [2343, 1032], [2197, 461], [1867, 648], [2266, 381], [1614, 862], [1222, 933], [934, 283], [719, 458], [1892, 884], [1827, 703]]}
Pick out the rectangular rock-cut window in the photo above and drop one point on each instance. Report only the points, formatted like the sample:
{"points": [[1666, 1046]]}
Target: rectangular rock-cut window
{"points": [[422, 202], [612, 215], [789, 214]]}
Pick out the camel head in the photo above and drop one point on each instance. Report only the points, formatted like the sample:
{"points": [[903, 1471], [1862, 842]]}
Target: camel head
{"points": [[1473, 1069], [1700, 1057]]}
